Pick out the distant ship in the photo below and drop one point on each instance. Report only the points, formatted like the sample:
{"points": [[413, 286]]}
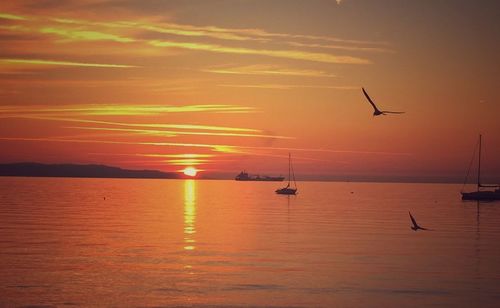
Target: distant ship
{"points": [[244, 176], [481, 195]]}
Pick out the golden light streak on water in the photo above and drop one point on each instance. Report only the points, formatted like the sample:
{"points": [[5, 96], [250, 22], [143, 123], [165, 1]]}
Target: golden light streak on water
{"points": [[189, 214]]}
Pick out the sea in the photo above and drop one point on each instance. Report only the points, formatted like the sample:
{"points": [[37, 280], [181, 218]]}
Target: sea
{"points": [[72, 242]]}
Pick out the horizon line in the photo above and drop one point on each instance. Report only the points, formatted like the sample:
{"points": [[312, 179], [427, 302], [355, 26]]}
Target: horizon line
{"points": [[306, 177]]}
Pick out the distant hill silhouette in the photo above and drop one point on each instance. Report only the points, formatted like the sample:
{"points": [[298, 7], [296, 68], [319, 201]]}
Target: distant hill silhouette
{"points": [[80, 171]]}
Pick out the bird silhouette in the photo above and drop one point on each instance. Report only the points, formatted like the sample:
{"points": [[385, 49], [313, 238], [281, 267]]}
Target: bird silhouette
{"points": [[415, 226], [377, 111]]}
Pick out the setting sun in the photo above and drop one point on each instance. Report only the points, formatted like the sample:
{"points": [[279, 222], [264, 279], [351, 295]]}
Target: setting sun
{"points": [[190, 171]]}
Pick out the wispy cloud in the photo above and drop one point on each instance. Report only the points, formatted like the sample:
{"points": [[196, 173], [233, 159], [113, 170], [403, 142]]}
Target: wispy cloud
{"points": [[156, 155], [232, 34], [85, 35], [61, 63], [186, 162], [289, 149], [260, 69], [287, 54], [140, 125], [247, 150], [291, 37], [133, 31], [171, 133], [108, 109], [342, 47], [164, 28], [185, 155], [213, 147], [184, 30], [288, 86], [11, 16]]}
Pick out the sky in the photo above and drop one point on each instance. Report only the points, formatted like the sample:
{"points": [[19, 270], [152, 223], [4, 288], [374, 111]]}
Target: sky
{"points": [[231, 85]]}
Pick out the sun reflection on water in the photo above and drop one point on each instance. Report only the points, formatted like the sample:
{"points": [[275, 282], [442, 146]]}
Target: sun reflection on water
{"points": [[189, 214]]}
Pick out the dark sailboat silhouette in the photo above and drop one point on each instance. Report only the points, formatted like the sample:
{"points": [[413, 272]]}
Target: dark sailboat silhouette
{"points": [[377, 111], [415, 226], [288, 190], [480, 194]]}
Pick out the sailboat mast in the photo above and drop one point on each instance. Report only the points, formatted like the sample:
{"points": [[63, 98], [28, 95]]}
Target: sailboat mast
{"points": [[289, 166], [293, 175], [479, 165]]}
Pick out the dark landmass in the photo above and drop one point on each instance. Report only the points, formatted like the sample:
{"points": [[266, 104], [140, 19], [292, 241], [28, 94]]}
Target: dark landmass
{"points": [[31, 169], [80, 171]]}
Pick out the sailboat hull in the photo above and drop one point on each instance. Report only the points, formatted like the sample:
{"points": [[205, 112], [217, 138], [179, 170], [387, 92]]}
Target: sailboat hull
{"points": [[482, 195], [286, 191]]}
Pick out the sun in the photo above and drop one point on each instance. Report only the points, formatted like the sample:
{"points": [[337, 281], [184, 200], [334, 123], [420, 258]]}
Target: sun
{"points": [[190, 171]]}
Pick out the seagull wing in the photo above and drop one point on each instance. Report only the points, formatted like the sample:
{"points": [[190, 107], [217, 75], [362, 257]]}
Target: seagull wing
{"points": [[396, 112], [413, 221], [370, 100]]}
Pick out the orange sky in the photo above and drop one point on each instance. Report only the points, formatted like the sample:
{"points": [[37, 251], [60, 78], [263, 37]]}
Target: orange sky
{"points": [[230, 85]]}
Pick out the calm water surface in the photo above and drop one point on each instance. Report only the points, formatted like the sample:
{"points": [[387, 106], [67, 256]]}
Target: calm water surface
{"points": [[162, 243]]}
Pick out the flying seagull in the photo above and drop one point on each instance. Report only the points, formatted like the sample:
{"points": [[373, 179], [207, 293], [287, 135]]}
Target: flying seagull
{"points": [[415, 226], [376, 111]]}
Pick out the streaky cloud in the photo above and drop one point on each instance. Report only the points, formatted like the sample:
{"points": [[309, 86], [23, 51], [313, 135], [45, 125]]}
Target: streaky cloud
{"points": [[286, 54], [213, 147], [184, 155], [188, 155], [259, 69], [234, 34], [295, 157], [153, 125], [288, 149], [189, 31], [11, 16], [170, 133], [230, 149], [342, 47], [108, 109], [62, 63], [126, 32], [288, 86], [186, 162], [85, 35], [165, 28]]}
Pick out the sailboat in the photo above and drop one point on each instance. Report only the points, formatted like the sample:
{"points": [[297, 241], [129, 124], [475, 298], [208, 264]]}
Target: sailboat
{"points": [[288, 190], [481, 194]]}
